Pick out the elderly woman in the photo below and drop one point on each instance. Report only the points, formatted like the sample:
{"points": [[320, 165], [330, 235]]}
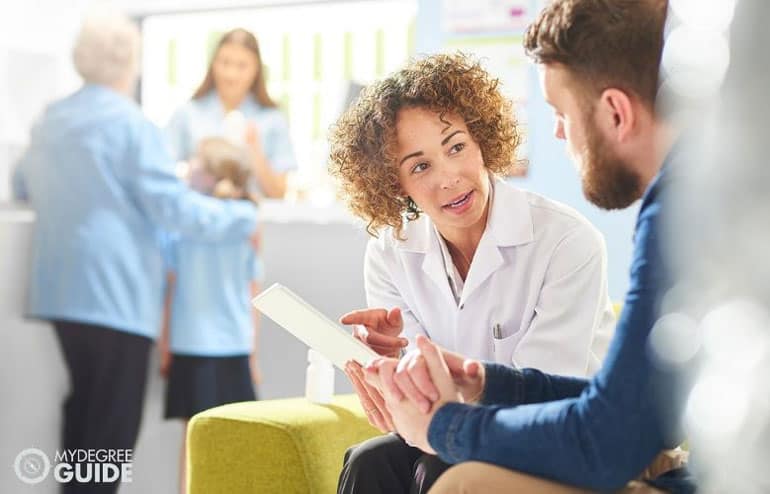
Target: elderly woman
{"points": [[233, 98], [461, 257], [99, 178]]}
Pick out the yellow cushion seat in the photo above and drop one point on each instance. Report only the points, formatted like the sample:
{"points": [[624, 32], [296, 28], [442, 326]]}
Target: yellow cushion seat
{"points": [[273, 446]]}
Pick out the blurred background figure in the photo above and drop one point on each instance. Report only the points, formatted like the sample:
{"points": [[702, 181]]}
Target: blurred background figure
{"points": [[210, 336], [232, 101], [719, 316], [100, 181]]}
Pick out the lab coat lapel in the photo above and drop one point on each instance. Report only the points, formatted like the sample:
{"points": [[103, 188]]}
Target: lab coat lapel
{"points": [[421, 247], [509, 225], [486, 261], [433, 266]]}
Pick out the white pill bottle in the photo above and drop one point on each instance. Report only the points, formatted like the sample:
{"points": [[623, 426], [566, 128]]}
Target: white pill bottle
{"points": [[319, 378]]}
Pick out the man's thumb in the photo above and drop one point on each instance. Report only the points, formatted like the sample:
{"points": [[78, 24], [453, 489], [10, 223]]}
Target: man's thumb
{"points": [[472, 368], [437, 367]]}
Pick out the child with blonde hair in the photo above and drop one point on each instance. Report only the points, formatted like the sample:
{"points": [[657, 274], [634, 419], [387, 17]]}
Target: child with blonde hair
{"points": [[210, 332]]}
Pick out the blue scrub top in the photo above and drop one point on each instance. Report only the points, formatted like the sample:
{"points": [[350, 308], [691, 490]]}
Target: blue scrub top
{"points": [[211, 304], [98, 175], [205, 117]]}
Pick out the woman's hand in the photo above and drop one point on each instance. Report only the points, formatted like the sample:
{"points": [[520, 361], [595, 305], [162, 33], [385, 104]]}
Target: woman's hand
{"points": [[255, 240], [254, 140], [273, 183], [411, 422], [378, 329], [256, 372], [370, 397], [165, 358]]}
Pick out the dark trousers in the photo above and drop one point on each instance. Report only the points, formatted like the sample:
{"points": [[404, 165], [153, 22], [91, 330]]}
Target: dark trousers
{"points": [[387, 465], [108, 374]]}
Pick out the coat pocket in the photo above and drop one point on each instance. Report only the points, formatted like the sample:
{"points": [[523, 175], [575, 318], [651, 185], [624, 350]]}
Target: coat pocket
{"points": [[504, 347]]}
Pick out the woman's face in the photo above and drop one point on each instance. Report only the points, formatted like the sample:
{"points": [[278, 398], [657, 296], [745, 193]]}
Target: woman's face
{"points": [[234, 69], [441, 168]]}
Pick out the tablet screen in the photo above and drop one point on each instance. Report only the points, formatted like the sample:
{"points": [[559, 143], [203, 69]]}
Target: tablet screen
{"points": [[310, 326]]}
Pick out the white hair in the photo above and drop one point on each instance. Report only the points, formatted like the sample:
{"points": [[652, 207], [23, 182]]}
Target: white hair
{"points": [[107, 49]]}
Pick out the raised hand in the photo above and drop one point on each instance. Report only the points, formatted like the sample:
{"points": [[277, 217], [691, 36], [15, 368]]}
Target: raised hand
{"points": [[378, 329]]}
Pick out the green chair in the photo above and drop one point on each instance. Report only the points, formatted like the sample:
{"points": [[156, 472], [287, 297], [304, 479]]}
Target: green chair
{"points": [[273, 446]]}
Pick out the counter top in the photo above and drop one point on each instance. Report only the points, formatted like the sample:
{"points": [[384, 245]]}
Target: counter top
{"points": [[271, 211], [277, 211], [16, 213]]}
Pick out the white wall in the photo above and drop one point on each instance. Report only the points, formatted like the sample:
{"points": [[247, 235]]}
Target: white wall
{"points": [[35, 42]]}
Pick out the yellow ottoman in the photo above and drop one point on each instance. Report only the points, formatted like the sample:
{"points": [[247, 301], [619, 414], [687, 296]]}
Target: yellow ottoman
{"points": [[273, 446]]}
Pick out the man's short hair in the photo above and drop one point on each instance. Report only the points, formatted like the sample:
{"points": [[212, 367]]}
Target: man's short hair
{"points": [[603, 43], [107, 49]]}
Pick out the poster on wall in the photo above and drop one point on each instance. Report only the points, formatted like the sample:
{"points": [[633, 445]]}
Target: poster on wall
{"points": [[461, 16]]}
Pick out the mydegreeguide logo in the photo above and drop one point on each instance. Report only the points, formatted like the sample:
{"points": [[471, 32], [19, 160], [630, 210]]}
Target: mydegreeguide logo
{"points": [[33, 466]]}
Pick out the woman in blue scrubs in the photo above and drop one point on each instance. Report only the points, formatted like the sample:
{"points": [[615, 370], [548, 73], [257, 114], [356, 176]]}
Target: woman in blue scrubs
{"points": [[233, 99]]}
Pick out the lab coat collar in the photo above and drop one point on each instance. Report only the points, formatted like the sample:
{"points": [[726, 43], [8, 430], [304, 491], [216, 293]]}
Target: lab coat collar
{"points": [[510, 220], [509, 223]]}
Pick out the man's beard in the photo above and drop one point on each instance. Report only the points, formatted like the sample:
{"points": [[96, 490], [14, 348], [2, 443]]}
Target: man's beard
{"points": [[608, 181]]}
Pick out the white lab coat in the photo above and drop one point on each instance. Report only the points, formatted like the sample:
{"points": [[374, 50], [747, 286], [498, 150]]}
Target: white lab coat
{"points": [[539, 271]]}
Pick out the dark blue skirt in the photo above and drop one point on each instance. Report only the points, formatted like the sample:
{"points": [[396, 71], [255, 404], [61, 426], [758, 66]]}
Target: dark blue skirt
{"points": [[199, 383]]}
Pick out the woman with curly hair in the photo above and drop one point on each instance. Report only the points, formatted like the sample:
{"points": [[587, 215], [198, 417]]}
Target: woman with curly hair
{"points": [[459, 255]]}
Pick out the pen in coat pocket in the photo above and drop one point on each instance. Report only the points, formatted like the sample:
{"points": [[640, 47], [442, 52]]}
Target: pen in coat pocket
{"points": [[497, 332]]}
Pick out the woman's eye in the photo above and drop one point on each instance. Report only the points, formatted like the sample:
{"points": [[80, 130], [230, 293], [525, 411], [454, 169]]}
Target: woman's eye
{"points": [[419, 167], [457, 147]]}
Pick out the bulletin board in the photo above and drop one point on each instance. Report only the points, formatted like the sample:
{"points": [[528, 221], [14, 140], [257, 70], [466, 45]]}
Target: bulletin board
{"points": [[484, 16]]}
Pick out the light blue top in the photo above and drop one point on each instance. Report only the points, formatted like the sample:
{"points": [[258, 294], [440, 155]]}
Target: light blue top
{"points": [[204, 117], [99, 177], [211, 305]]}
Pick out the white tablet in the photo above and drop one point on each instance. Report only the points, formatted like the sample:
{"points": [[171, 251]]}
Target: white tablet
{"points": [[314, 329]]}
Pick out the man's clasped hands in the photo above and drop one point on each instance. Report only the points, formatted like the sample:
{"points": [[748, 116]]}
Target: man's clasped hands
{"points": [[403, 394]]}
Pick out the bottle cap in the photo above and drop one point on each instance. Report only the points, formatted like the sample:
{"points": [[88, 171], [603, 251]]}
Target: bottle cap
{"points": [[316, 358]]}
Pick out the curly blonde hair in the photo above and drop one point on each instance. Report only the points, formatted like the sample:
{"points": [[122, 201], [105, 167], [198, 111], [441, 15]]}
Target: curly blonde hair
{"points": [[362, 142]]}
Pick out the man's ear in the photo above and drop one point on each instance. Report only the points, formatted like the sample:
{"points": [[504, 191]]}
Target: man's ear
{"points": [[617, 114]]}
